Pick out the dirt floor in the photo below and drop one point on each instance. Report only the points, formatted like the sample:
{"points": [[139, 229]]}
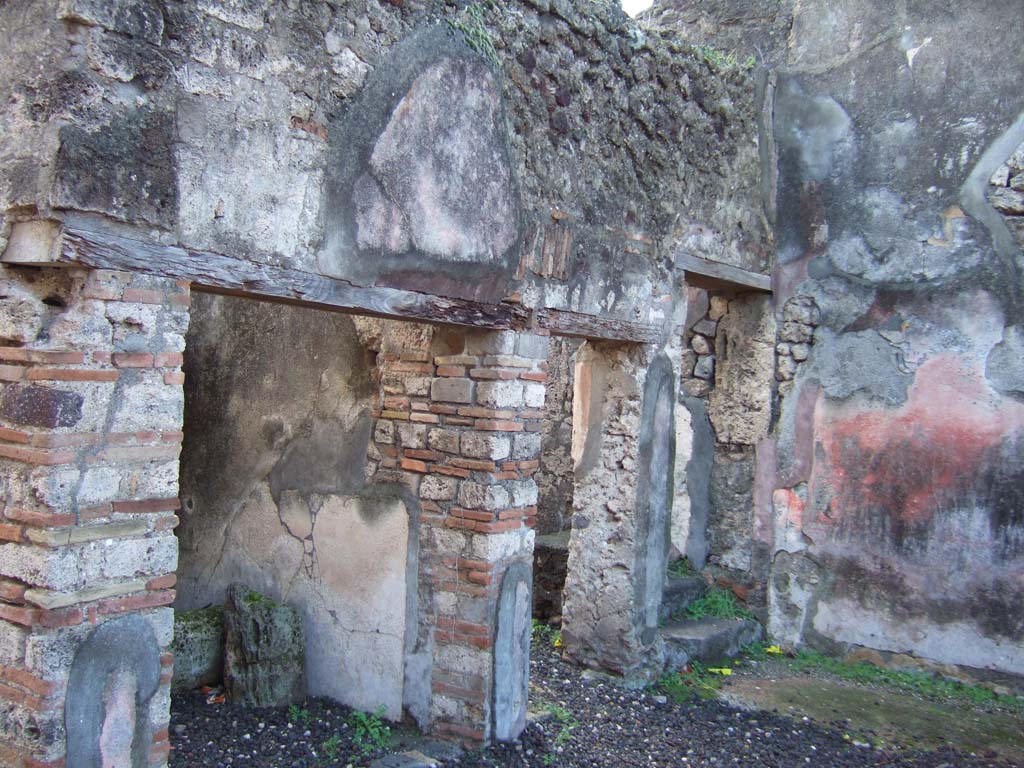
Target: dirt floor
{"points": [[879, 715], [767, 717]]}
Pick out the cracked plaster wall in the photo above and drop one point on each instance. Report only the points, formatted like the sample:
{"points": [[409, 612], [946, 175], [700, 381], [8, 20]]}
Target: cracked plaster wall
{"points": [[277, 430], [891, 485]]}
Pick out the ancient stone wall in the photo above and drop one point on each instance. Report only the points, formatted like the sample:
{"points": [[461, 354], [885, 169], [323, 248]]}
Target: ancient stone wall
{"points": [[91, 409], [522, 168], [890, 482], [262, 130]]}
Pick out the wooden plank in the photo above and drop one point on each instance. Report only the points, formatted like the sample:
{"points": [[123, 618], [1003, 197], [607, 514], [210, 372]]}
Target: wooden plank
{"points": [[709, 274], [227, 275], [565, 323]]}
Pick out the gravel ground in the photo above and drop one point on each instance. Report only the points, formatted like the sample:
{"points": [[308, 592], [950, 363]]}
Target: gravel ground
{"points": [[583, 721]]}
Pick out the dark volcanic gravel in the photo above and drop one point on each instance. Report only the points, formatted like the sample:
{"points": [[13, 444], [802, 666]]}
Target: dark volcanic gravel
{"points": [[613, 727]]}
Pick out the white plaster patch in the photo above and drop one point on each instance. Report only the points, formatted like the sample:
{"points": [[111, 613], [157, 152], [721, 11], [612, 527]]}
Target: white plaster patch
{"points": [[355, 611], [958, 642]]}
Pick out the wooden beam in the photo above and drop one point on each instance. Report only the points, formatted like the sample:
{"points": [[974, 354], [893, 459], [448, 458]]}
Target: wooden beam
{"points": [[565, 323], [710, 274], [227, 275], [48, 244]]}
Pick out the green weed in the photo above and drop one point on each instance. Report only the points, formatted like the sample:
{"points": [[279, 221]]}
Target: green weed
{"points": [[725, 59], [369, 733], [693, 681], [297, 714], [567, 722], [541, 633], [331, 747], [474, 32], [916, 681], [717, 603], [680, 568]]}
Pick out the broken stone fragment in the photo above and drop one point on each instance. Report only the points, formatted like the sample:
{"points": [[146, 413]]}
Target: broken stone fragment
{"points": [[700, 345], [705, 367], [801, 309], [706, 328], [719, 305], [800, 352], [696, 387], [797, 333], [263, 650], [198, 647], [785, 369]]}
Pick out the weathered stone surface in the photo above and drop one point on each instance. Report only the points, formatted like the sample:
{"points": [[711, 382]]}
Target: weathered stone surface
{"points": [[708, 640], [114, 677], [198, 647], [125, 170], [512, 651], [264, 650], [679, 592], [623, 442], [1004, 366], [740, 403]]}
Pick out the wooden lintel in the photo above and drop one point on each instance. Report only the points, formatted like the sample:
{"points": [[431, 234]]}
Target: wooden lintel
{"points": [[710, 274], [217, 273], [565, 323]]}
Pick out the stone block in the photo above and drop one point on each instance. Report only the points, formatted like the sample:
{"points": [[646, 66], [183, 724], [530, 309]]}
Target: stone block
{"points": [[438, 488], [500, 394], [412, 435], [452, 390], [384, 432], [531, 345], [263, 650], [705, 367], [524, 493], [444, 440], [717, 307], [478, 496], [797, 333], [526, 446], [700, 344], [198, 647], [491, 343], [486, 445], [706, 328], [534, 395]]}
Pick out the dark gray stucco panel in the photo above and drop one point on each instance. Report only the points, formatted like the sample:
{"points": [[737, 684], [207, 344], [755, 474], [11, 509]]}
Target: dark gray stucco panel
{"points": [[656, 457], [421, 191], [512, 651], [698, 480], [120, 656]]}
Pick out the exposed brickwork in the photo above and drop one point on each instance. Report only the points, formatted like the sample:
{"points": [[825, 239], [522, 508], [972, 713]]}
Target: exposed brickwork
{"points": [[451, 428], [90, 431]]}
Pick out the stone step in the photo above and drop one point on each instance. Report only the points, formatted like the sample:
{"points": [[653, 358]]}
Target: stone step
{"points": [[679, 592], [707, 640]]}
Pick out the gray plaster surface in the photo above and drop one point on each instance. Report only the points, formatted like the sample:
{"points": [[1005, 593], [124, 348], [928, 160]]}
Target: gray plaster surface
{"points": [[512, 651], [114, 676]]}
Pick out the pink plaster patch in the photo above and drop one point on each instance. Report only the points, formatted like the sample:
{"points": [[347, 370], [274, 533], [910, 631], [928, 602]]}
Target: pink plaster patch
{"points": [[908, 459]]}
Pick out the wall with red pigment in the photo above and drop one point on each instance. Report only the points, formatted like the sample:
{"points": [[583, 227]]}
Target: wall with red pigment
{"points": [[892, 484], [888, 496]]}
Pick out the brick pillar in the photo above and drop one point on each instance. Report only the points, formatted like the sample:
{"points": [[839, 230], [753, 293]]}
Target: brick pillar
{"points": [[463, 432], [90, 430]]}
